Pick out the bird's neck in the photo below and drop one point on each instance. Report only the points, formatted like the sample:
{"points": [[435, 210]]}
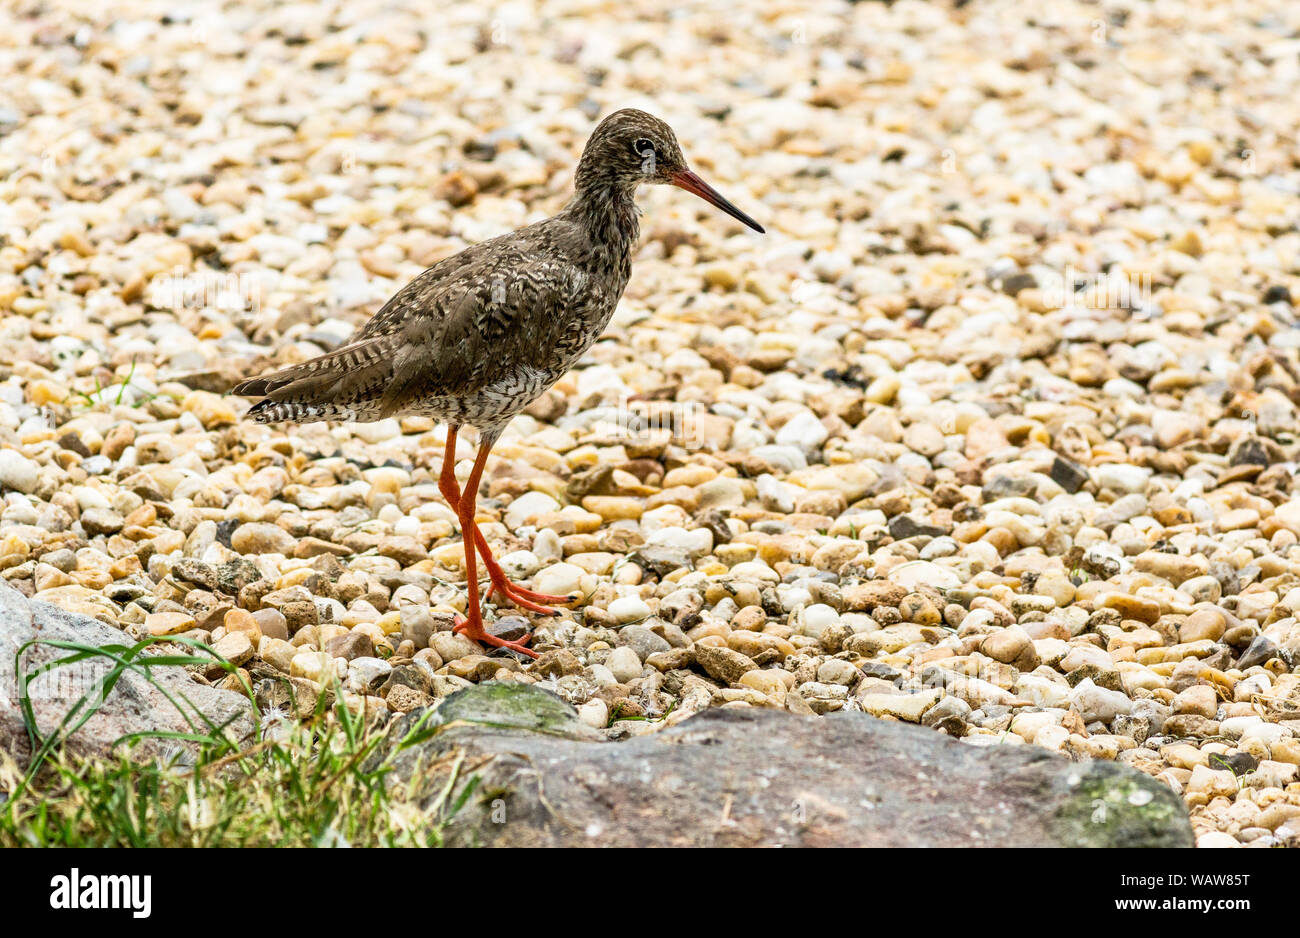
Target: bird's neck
{"points": [[606, 210]]}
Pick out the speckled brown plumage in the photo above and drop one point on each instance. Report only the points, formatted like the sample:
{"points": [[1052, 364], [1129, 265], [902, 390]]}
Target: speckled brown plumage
{"points": [[478, 336]]}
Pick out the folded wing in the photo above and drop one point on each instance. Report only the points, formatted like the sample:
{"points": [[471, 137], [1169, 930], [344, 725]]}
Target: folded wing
{"points": [[452, 330]]}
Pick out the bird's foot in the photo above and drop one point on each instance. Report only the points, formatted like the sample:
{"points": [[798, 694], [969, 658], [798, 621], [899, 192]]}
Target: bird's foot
{"points": [[473, 629], [526, 598]]}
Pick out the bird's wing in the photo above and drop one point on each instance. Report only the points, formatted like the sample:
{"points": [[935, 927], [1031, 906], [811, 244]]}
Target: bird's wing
{"points": [[465, 333], [446, 272], [449, 331]]}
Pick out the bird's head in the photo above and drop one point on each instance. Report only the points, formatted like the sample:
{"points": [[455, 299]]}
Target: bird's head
{"points": [[631, 148]]}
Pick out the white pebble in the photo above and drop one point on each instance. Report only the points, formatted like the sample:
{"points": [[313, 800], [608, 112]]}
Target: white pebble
{"points": [[18, 472], [623, 664], [629, 609]]}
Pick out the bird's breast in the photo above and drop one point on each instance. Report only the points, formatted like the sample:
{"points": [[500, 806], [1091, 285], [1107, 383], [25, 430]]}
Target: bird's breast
{"points": [[587, 310]]}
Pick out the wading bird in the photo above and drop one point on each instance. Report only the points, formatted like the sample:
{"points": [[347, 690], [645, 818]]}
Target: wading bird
{"points": [[480, 335]]}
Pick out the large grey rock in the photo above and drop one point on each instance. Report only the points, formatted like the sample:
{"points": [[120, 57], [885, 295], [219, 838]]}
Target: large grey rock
{"points": [[759, 777], [134, 705]]}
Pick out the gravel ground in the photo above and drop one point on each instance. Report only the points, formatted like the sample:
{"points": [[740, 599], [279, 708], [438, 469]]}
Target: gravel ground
{"points": [[994, 431]]}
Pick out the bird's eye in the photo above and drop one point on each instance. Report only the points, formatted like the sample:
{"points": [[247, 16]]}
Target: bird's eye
{"points": [[642, 146]]}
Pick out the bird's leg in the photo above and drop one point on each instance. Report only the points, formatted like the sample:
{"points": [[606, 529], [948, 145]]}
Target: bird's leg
{"points": [[473, 626], [450, 488], [447, 483]]}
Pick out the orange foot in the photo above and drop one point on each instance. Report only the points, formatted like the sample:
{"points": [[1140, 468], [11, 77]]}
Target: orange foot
{"points": [[474, 630], [526, 598]]}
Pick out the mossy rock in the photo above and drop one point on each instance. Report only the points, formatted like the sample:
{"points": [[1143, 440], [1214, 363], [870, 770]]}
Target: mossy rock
{"points": [[509, 705], [501, 773], [1108, 806]]}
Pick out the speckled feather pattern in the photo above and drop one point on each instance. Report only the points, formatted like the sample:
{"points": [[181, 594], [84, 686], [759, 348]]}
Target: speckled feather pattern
{"points": [[480, 335]]}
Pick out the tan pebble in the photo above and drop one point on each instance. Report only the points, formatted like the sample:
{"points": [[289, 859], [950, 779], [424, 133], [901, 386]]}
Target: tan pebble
{"points": [[235, 647], [1133, 640], [451, 646], [723, 664], [1212, 782], [865, 597], [1173, 567], [1286, 750], [277, 653], [907, 707], [1202, 625], [1237, 520], [614, 507], [211, 410], [753, 644], [1276, 815], [1199, 699], [1131, 607], [1184, 755], [168, 623], [261, 538], [239, 620], [749, 618], [1011, 646], [403, 699], [312, 665], [378, 264], [773, 682]]}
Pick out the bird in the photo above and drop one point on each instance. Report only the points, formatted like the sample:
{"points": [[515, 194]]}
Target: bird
{"points": [[480, 335]]}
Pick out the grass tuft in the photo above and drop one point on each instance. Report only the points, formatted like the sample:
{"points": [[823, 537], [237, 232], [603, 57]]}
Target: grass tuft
{"points": [[319, 782]]}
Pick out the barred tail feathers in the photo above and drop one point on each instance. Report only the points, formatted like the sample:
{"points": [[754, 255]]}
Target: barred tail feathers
{"points": [[269, 411], [342, 385]]}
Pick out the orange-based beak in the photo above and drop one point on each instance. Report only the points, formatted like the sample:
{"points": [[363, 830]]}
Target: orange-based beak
{"points": [[694, 184]]}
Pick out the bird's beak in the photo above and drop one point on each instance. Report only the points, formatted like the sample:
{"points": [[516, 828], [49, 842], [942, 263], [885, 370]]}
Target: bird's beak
{"points": [[694, 184]]}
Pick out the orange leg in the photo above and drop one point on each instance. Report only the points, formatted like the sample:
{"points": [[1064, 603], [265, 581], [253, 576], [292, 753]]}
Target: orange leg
{"points": [[473, 626], [521, 597]]}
